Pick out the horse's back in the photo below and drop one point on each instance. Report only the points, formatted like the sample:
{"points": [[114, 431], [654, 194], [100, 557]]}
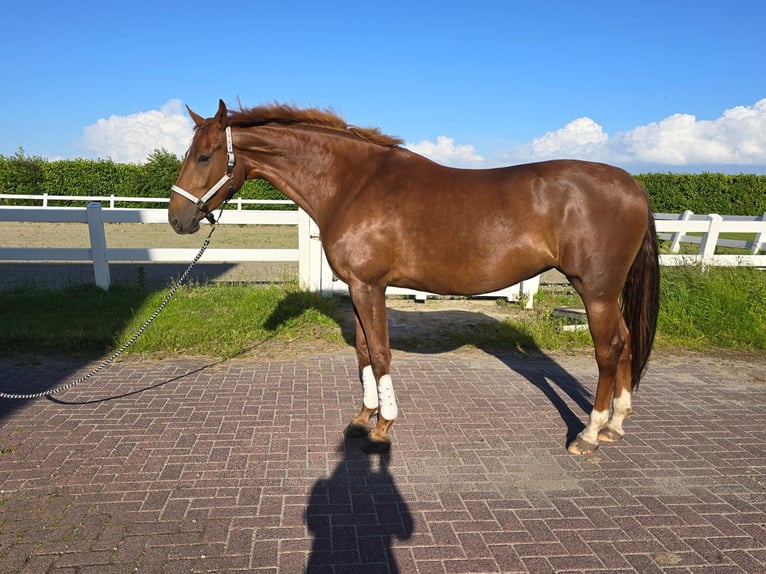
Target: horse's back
{"points": [[548, 188]]}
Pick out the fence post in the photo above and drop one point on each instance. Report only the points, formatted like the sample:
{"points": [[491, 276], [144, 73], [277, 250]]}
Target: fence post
{"points": [[675, 244], [98, 245], [528, 289], [313, 269], [307, 265], [760, 240], [710, 238]]}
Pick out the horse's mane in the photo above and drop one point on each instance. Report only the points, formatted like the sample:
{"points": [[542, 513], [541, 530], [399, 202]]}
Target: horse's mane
{"points": [[287, 115]]}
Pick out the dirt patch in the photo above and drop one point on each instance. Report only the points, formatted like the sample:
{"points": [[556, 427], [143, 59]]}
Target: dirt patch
{"points": [[428, 325]]}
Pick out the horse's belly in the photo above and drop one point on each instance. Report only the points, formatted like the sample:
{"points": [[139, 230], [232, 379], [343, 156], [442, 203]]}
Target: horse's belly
{"points": [[469, 276]]}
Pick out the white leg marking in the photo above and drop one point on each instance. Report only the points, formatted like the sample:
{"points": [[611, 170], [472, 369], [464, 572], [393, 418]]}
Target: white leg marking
{"points": [[622, 408], [370, 388], [388, 408], [598, 420]]}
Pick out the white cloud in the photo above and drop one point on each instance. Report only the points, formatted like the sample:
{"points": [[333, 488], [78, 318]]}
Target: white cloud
{"points": [[445, 151], [131, 138], [738, 137], [580, 136]]}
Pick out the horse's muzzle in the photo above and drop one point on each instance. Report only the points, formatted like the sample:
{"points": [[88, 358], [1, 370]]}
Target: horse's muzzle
{"points": [[183, 225]]}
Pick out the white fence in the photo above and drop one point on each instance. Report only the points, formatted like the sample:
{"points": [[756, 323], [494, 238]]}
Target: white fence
{"points": [[95, 217], [314, 271], [46, 199], [707, 230]]}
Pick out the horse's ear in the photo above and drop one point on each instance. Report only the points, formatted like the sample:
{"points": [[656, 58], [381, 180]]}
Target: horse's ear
{"points": [[196, 118], [223, 115]]}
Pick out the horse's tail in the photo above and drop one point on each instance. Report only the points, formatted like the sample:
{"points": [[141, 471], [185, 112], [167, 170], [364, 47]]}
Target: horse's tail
{"points": [[641, 300]]}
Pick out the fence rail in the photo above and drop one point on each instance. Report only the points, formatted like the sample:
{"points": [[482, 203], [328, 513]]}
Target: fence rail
{"points": [[707, 230], [46, 199], [314, 271]]}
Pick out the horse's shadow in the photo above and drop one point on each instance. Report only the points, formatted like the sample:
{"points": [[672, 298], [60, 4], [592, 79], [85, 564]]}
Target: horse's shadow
{"points": [[524, 356]]}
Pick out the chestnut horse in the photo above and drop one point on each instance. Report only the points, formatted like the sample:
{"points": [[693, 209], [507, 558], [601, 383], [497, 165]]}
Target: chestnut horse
{"points": [[388, 216]]}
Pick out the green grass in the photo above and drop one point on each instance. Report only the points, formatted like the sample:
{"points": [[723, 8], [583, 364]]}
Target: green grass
{"points": [[224, 320], [79, 319], [213, 320], [717, 308], [714, 308]]}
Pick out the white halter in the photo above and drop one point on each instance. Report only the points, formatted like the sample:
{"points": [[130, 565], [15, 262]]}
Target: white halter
{"points": [[201, 202]]}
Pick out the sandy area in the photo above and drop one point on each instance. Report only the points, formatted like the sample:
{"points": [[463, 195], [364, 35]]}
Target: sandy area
{"points": [[30, 234]]}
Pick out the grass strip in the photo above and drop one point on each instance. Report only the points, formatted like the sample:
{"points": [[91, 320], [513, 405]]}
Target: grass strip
{"points": [[716, 308]]}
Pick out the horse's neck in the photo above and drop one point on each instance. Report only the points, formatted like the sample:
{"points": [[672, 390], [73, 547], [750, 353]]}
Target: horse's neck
{"points": [[296, 162]]}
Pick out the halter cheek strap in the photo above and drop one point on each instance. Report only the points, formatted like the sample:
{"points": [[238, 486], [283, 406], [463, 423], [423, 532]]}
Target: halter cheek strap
{"points": [[201, 202]]}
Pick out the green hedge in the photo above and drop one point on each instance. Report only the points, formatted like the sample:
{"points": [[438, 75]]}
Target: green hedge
{"points": [[725, 194], [262, 189], [23, 175], [33, 175], [743, 194]]}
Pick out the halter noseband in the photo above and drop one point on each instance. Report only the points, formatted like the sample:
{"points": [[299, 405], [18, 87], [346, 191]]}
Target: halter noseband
{"points": [[201, 202]]}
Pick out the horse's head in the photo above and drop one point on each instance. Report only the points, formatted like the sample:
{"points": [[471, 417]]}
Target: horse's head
{"points": [[209, 175]]}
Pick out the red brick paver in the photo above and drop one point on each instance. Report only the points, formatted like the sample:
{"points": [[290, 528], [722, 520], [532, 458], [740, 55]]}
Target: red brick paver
{"points": [[180, 466]]}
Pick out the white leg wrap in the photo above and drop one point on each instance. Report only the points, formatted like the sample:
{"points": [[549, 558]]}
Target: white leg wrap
{"points": [[622, 408], [370, 388], [388, 408], [598, 420]]}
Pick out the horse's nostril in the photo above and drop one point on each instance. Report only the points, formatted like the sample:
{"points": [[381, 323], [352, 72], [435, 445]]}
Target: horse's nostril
{"points": [[174, 223], [183, 227]]}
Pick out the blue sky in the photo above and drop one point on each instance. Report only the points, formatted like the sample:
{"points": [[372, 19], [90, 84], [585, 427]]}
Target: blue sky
{"points": [[656, 85]]}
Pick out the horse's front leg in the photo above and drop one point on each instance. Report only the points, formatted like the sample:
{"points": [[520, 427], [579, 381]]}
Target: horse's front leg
{"points": [[370, 309], [360, 425]]}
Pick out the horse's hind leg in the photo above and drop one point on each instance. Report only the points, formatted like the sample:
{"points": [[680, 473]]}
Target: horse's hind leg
{"points": [[621, 404], [610, 338]]}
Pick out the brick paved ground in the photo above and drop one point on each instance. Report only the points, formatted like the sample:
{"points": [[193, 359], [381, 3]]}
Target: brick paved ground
{"points": [[180, 466]]}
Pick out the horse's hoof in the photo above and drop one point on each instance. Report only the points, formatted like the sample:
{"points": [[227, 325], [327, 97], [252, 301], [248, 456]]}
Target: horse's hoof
{"points": [[356, 430], [580, 446], [372, 446], [609, 435]]}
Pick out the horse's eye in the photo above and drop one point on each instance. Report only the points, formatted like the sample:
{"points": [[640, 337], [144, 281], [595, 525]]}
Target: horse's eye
{"points": [[202, 158]]}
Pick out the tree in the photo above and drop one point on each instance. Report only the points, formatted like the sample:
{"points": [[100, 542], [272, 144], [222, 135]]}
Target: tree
{"points": [[160, 173]]}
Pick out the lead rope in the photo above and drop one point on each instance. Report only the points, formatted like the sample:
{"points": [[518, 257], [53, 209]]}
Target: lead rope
{"points": [[130, 341]]}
